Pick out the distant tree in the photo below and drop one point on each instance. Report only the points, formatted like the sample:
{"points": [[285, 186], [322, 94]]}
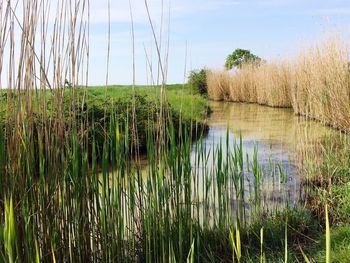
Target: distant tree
{"points": [[239, 57]]}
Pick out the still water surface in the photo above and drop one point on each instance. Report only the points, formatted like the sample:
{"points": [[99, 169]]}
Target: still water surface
{"points": [[280, 138], [277, 132]]}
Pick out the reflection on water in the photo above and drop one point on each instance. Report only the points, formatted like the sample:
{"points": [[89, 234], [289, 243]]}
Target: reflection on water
{"points": [[259, 123], [275, 136], [277, 132]]}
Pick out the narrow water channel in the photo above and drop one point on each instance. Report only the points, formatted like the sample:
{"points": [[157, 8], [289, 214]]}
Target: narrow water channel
{"points": [[247, 165], [278, 133], [276, 136]]}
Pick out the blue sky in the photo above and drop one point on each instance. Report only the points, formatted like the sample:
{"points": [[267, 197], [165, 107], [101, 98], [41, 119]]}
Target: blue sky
{"points": [[210, 29]]}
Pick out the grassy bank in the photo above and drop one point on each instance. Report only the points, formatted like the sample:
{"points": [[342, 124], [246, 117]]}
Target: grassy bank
{"points": [[183, 107], [181, 99], [100, 103]]}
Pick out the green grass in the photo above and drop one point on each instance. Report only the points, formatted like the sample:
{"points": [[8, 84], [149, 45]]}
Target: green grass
{"points": [[183, 108], [98, 104], [190, 105], [328, 179], [340, 245]]}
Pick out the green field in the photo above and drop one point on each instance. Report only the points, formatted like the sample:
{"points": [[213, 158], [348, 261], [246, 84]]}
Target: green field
{"points": [[185, 102]]}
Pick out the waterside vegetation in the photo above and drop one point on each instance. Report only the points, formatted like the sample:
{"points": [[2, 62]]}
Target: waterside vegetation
{"points": [[73, 187]]}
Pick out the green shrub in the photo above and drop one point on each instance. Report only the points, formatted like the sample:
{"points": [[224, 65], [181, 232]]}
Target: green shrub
{"points": [[198, 81]]}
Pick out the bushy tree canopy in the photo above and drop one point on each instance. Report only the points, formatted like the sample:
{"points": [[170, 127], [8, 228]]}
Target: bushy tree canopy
{"points": [[240, 56]]}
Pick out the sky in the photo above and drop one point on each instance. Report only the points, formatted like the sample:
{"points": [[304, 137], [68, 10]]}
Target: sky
{"points": [[201, 33]]}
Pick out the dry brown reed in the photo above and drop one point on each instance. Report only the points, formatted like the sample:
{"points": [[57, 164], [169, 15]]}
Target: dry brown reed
{"points": [[267, 84], [244, 88], [315, 84], [321, 84], [221, 81]]}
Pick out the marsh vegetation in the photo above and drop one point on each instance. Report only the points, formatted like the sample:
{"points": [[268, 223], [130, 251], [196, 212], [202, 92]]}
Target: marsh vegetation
{"points": [[145, 174]]}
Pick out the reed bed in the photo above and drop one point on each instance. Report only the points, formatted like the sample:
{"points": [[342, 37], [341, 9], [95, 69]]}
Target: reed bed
{"points": [[266, 84], [221, 81], [72, 187], [315, 83], [322, 84]]}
